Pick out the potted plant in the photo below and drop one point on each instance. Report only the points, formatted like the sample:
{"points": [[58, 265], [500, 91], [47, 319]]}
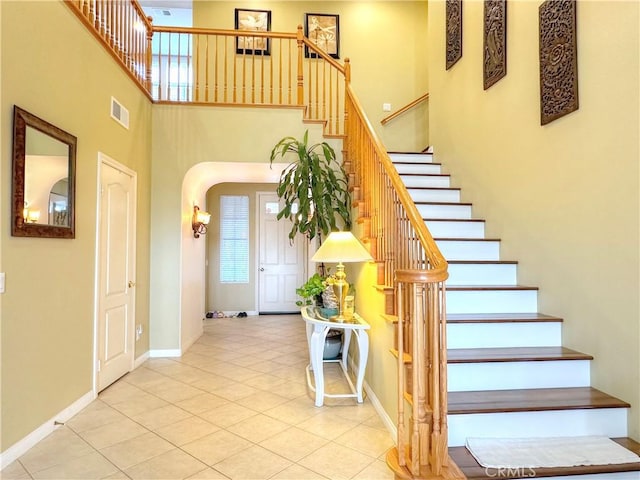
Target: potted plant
{"points": [[313, 187]]}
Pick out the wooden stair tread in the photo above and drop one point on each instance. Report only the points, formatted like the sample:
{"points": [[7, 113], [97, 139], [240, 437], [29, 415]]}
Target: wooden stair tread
{"points": [[513, 354], [454, 220], [465, 239], [465, 288], [499, 317], [434, 188], [482, 262], [457, 204], [400, 162], [474, 471], [531, 399], [424, 175]]}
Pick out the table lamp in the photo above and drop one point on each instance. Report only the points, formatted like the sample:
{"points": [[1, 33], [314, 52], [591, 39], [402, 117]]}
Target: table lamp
{"points": [[341, 247]]}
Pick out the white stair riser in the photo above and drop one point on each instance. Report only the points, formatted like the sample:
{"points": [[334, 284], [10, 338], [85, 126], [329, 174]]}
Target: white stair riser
{"points": [[492, 301], [466, 377], [445, 229], [482, 274], [497, 335], [442, 181], [449, 196], [419, 169], [469, 250], [445, 211], [611, 422], [411, 157]]}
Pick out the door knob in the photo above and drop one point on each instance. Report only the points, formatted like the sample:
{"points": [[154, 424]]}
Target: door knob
{"points": [[262, 269], [132, 284]]}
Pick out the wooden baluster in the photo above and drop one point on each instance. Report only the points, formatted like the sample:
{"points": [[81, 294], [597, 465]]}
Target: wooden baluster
{"points": [[196, 68], [189, 68], [226, 49], [215, 70], [300, 90], [147, 57], [401, 352]]}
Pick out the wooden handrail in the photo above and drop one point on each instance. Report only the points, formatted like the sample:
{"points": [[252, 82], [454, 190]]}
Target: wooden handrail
{"points": [[404, 109]]}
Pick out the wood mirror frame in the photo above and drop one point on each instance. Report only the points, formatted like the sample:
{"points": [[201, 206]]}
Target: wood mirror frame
{"points": [[19, 226]]}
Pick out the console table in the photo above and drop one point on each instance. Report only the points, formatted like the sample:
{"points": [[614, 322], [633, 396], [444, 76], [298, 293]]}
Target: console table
{"points": [[317, 329]]}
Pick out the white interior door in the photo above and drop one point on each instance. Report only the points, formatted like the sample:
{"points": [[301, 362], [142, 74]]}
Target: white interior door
{"points": [[116, 272], [281, 265]]}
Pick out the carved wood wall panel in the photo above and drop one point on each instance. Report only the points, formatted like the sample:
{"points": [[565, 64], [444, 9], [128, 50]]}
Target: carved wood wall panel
{"points": [[495, 41], [454, 31], [558, 59]]}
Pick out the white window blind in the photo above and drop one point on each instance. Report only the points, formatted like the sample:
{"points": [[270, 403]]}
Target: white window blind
{"points": [[234, 239]]}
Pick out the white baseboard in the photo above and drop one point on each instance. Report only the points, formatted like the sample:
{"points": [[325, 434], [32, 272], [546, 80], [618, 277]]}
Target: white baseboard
{"points": [[169, 352], [19, 448], [140, 360]]}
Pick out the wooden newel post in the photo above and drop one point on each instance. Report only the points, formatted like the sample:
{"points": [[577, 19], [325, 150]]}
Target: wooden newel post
{"points": [[300, 91]]}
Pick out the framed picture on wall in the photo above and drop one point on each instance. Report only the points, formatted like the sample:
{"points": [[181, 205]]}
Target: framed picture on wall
{"points": [[253, 21], [324, 31]]}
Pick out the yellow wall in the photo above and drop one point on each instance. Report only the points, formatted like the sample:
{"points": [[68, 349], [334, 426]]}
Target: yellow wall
{"points": [[48, 308], [386, 42], [563, 197]]}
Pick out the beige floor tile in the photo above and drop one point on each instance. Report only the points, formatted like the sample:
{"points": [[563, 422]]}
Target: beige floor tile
{"points": [[96, 414], [112, 433], [139, 403], [160, 417], [61, 446], [136, 450], [120, 391], [253, 463], [264, 381], [326, 426], [186, 430], [262, 401], [216, 446], [201, 403], [235, 391], [377, 470], [258, 428], [177, 392], [14, 471], [336, 462], [295, 411], [208, 474], [87, 467], [290, 389], [174, 464], [211, 382], [297, 472], [294, 443], [370, 441], [227, 414]]}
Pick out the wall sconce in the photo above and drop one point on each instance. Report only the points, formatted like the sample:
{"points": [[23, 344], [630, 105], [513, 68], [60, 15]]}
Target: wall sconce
{"points": [[199, 221]]}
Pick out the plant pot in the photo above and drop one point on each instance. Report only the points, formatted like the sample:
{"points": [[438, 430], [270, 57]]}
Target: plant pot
{"points": [[332, 345]]}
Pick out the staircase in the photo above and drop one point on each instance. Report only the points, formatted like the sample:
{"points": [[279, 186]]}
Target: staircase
{"points": [[508, 374]]}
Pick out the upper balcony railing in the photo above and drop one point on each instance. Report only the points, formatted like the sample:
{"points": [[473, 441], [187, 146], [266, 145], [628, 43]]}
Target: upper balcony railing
{"points": [[221, 67]]}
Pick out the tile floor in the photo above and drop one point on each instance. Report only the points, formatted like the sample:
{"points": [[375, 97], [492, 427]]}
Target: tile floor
{"points": [[235, 406]]}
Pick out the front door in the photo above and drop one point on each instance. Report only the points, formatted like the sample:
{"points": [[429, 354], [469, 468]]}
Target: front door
{"points": [[116, 272], [281, 265]]}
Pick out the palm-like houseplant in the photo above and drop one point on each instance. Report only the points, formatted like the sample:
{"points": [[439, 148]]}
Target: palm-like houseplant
{"points": [[313, 187]]}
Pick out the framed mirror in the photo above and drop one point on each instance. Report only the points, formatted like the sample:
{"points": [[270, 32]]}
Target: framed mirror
{"points": [[44, 183]]}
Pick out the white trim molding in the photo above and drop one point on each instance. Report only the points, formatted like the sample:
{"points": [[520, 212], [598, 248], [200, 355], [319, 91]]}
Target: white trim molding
{"points": [[21, 447], [169, 352]]}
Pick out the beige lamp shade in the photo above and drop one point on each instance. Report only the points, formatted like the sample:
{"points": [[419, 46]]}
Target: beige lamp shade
{"points": [[341, 247]]}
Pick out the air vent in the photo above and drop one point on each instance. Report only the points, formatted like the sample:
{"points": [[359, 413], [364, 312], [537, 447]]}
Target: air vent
{"points": [[166, 13], [119, 113]]}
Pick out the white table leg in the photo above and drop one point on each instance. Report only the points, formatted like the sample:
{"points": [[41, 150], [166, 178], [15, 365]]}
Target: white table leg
{"points": [[316, 349], [363, 353]]}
